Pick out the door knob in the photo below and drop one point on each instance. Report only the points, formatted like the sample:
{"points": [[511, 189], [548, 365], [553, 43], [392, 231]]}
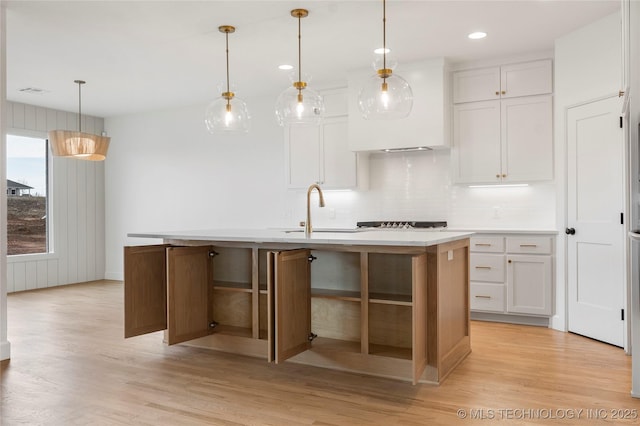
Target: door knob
{"points": [[570, 231]]}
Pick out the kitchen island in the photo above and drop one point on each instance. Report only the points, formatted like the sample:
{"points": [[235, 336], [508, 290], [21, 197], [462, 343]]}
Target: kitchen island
{"points": [[386, 303]]}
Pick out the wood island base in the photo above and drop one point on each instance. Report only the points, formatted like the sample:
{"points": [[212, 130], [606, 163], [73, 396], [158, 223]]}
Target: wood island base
{"points": [[399, 312]]}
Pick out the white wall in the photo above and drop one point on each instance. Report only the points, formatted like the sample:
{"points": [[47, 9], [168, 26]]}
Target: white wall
{"points": [[587, 67], [76, 207], [5, 346], [165, 172]]}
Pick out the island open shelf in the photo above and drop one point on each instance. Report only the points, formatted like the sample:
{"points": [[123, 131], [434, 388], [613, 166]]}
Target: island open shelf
{"points": [[391, 310]]}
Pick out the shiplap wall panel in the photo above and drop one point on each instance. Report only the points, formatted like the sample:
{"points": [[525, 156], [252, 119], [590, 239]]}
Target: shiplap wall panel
{"points": [[77, 209], [61, 202], [89, 124], [90, 217], [10, 281], [52, 117], [72, 221], [42, 274], [99, 225], [61, 121], [31, 275], [72, 121], [41, 119], [81, 220], [18, 117], [52, 273], [19, 278], [30, 117]]}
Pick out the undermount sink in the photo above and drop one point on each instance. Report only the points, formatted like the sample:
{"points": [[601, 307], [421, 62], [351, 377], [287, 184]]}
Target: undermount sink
{"points": [[341, 230]]}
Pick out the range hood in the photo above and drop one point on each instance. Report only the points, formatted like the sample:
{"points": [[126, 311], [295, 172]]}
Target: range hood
{"points": [[427, 126]]}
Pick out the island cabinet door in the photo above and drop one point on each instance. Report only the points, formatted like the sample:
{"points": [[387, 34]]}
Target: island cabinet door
{"points": [[419, 326], [289, 289], [145, 290], [189, 293]]}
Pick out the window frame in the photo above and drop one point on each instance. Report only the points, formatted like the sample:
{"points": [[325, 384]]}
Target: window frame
{"points": [[50, 252]]}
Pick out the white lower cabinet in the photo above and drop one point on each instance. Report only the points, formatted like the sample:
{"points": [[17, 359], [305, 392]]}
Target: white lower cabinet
{"points": [[512, 274], [529, 284], [487, 297]]}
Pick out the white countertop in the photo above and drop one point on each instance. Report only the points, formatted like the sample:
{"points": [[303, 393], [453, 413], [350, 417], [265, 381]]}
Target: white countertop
{"points": [[354, 237]]}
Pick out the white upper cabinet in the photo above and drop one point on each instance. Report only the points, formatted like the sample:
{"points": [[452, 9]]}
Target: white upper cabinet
{"points": [[320, 154], [503, 135], [426, 126], [506, 141], [527, 139], [477, 146], [476, 85], [507, 81]]}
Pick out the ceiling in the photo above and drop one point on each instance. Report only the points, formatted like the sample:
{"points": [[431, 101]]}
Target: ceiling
{"points": [[147, 55]]}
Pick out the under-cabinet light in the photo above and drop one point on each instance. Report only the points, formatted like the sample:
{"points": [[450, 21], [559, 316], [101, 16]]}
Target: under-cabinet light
{"points": [[415, 148], [504, 185]]}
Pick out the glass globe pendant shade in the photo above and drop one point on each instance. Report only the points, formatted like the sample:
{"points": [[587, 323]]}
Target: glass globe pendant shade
{"points": [[299, 108], [224, 115], [382, 61], [385, 98]]}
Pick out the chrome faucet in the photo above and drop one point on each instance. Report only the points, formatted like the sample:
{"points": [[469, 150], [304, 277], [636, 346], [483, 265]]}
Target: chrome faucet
{"points": [[307, 226]]}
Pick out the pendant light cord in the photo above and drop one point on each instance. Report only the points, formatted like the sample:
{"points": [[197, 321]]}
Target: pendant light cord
{"points": [[227, 51], [299, 53], [384, 38], [80, 83]]}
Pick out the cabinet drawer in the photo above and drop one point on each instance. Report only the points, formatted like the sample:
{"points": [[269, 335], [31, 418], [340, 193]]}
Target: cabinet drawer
{"points": [[487, 297], [487, 244], [487, 267], [537, 245]]}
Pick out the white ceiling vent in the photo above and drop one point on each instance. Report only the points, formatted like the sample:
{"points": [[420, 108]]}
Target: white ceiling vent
{"points": [[33, 90]]}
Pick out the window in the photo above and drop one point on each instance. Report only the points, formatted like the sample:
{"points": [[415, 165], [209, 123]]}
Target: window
{"points": [[27, 195]]}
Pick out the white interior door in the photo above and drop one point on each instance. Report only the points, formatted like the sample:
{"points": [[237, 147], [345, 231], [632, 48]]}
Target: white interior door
{"points": [[595, 188]]}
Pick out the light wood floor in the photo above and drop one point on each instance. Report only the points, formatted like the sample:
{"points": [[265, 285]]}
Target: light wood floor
{"points": [[71, 366]]}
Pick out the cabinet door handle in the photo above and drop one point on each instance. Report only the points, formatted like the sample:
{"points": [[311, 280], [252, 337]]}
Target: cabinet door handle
{"points": [[483, 244], [483, 267], [504, 175], [528, 245], [504, 92], [509, 260], [480, 296], [498, 175], [497, 93]]}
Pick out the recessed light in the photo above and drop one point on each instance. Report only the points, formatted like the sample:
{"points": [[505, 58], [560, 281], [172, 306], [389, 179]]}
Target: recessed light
{"points": [[477, 35], [285, 67], [381, 50]]}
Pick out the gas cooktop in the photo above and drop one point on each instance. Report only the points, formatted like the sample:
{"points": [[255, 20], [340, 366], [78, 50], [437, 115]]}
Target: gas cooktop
{"points": [[393, 224]]}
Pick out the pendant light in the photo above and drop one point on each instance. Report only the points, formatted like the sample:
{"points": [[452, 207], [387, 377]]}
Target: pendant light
{"points": [[227, 113], [294, 107], [80, 145], [385, 95]]}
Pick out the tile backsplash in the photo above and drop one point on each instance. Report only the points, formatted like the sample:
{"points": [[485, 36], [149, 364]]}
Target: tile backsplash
{"points": [[418, 186]]}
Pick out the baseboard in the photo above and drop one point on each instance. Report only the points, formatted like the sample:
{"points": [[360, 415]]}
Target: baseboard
{"points": [[510, 319], [115, 276], [5, 350], [558, 323]]}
